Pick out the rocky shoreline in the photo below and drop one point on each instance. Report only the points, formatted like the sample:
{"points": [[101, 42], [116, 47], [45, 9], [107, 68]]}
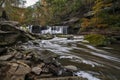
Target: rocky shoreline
{"points": [[20, 63]]}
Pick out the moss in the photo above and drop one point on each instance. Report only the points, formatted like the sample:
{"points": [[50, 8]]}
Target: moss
{"points": [[97, 39], [64, 36], [46, 36]]}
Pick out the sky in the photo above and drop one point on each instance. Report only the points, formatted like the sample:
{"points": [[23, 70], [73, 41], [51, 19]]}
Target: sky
{"points": [[30, 2]]}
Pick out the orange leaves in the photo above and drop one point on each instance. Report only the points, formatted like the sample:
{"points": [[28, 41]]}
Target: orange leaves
{"points": [[93, 22], [17, 14], [85, 23]]}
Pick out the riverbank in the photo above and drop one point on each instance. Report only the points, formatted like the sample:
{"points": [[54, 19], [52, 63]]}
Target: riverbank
{"points": [[59, 57], [22, 63]]}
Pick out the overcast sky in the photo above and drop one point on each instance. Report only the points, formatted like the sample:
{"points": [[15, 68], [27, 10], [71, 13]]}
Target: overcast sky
{"points": [[30, 2]]}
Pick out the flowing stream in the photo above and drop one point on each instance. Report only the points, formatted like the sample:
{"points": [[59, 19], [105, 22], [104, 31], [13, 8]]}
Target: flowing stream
{"points": [[93, 63]]}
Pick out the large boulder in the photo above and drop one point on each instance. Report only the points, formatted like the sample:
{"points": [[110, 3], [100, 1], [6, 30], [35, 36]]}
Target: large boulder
{"points": [[38, 69], [10, 33], [71, 67], [17, 71], [6, 57]]}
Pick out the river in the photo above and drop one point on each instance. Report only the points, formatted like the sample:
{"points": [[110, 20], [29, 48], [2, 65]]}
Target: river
{"points": [[93, 63]]}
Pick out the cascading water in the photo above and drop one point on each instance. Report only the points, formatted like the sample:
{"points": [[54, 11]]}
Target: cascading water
{"points": [[93, 63]]}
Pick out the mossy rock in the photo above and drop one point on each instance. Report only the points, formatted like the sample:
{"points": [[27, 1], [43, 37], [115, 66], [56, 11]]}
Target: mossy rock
{"points": [[97, 39]]}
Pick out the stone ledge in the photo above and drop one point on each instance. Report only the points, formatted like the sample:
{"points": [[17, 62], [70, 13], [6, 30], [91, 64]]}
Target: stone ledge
{"points": [[63, 78]]}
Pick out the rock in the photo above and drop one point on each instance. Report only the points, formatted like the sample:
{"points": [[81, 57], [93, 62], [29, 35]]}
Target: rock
{"points": [[70, 38], [38, 69], [8, 38], [3, 69], [47, 56], [10, 33], [17, 71], [85, 41], [45, 70], [30, 76], [3, 51], [71, 67], [57, 71], [46, 75], [19, 56], [36, 43], [5, 57], [66, 72], [89, 14]]}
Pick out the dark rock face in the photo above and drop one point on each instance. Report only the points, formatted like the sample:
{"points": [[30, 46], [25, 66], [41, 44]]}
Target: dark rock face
{"points": [[9, 33], [3, 51], [70, 38]]}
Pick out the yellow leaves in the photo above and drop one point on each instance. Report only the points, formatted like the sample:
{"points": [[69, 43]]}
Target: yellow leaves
{"points": [[102, 25], [100, 5], [98, 22], [85, 23], [93, 22]]}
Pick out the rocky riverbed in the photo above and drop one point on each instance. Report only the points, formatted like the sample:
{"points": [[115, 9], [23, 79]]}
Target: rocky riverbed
{"points": [[19, 62], [26, 56]]}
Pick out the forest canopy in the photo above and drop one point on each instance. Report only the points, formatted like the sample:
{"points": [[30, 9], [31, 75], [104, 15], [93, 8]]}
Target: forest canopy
{"points": [[90, 13]]}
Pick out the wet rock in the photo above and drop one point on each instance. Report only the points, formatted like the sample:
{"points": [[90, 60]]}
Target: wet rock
{"points": [[70, 38], [6, 57], [71, 67], [3, 51], [36, 43], [45, 69], [60, 71], [19, 56], [38, 69], [48, 57], [46, 75], [57, 71], [30, 76], [67, 72]]}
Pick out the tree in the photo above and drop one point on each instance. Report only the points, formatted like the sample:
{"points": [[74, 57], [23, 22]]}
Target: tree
{"points": [[4, 15], [13, 9]]}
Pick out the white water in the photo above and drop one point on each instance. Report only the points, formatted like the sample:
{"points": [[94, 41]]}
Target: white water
{"points": [[86, 75], [64, 47]]}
